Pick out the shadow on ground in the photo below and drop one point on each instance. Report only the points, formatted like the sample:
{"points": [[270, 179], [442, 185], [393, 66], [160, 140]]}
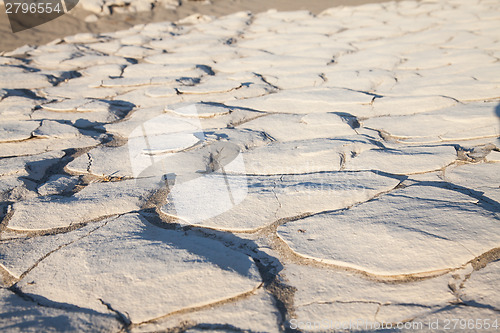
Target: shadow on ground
{"points": [[497, 112]]}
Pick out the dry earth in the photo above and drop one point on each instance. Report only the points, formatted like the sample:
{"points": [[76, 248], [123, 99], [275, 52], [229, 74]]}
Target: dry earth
{"points": [[255, 173]]}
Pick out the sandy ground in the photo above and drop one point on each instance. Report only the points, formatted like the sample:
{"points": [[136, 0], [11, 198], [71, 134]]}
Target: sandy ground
{"points": [[75, 23]]}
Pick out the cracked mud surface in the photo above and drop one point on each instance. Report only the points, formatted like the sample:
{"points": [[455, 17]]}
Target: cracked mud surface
{"points": [[246, 173]]}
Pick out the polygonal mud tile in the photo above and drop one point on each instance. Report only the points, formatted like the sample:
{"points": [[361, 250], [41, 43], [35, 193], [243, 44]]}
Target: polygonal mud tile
{"points": [[135, 39], [152, 150], [199, 110], [494, 156], [57, 184], [480, 287], [367, 59], [133, 51], [442, 57], [53, 60], [103, 71], [54, 129], [246, 91], [481, 177], [16, 108], [303, 156], [335, 297], [41, 145], [362, 80], [178, 58], [106, 47], [84, 37], [21, 315], [23, 80], [10, 183], [79, 88], [95, 201], [463, 90], [134, 120], [20, 255], [196, 18], [482, 74], [210, 116], [421, 228], [402, 160], [105, 161], [295, 81], [168, 271], [33, 166], [299, 127], [311, 101], [88, 114], [223, 200], [160, 92], [88, 60], [410, 105], [17, 130], [461, 122], [264, 64], [138, 97], [96, 106], [212, 86], [68, 105], [161, 135], [125, 82], [150, 70], [467, 40], [255, 312]]}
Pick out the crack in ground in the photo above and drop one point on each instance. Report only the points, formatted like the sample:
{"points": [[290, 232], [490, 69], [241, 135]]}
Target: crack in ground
{"points": [[122, 318], [282, 293], [63, 230], [61, 247], [46, 303], [200, 307]]}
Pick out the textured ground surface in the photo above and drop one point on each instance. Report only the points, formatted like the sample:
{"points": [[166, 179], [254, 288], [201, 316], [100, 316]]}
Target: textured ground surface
{"points": [[104, 7], [255, 172]]}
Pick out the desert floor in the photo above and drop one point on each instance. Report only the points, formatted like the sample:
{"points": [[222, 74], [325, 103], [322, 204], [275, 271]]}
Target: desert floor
{"points": [[89, 17], [282, 171]]}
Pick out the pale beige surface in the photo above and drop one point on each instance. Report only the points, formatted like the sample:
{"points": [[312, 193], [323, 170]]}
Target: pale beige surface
{"points": [[75, 23], [256, 173]]}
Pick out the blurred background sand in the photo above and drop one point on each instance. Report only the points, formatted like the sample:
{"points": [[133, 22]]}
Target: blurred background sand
{"points": [[74, 22]]}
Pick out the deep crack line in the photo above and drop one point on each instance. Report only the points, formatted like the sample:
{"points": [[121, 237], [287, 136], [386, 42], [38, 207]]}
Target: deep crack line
{"points": [[61, 247], [269, 273], [341, 266], [200, 307], [122, 318]]}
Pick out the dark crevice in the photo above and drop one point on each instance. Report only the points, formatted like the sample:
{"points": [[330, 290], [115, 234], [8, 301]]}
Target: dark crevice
{"points": [[348, 118], [47, 303], [122, 318], [282, 293]]}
